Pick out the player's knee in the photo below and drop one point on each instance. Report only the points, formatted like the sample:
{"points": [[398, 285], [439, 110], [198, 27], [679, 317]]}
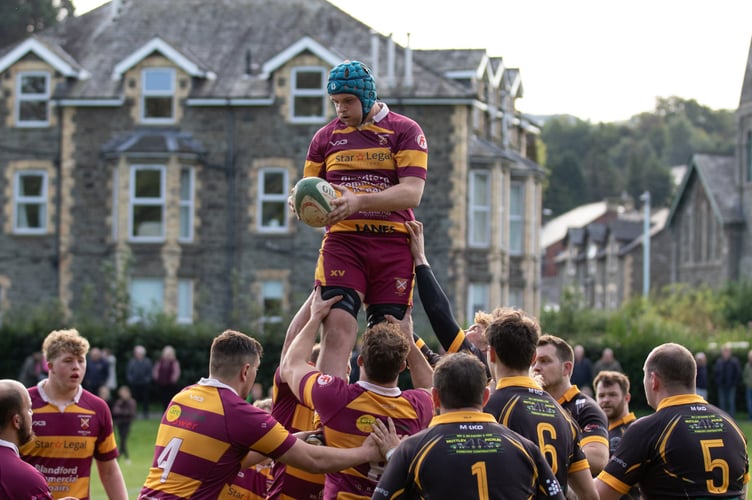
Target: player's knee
{"points": [[376, 312], [350, 299]]}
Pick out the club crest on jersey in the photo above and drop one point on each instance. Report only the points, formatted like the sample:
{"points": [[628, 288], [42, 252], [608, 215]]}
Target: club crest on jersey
{"points": [[364, 423], [85, 422], [173, 413], [421, 140], [324, 379], [400, 286]]}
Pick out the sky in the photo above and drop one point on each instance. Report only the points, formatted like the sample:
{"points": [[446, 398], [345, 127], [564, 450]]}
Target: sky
{"points": [[599, 60]]}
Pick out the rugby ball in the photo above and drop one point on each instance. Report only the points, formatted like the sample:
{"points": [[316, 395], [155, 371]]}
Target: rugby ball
{"points": [[312, 197]]}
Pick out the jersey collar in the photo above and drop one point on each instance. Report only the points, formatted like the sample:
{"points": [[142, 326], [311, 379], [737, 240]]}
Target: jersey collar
{"points": [[10, 445], [681, 399], [461, 417], [569, 395], [380, 389], [46, 398], [629, 417], [212, 382], [518, 381]]}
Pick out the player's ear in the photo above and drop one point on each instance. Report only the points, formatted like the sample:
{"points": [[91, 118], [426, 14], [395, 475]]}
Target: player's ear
{"points": [[435, 397], [486, 395], [491, 355]]}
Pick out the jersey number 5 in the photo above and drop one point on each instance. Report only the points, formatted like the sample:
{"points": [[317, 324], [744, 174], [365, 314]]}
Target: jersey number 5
{"points": [[715, 463]]}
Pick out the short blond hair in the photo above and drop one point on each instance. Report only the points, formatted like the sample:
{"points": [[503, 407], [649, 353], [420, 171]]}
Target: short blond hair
{"points": [[59, 342]]}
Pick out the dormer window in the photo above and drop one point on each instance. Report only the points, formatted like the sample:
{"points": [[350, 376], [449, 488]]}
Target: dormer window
{"points": [[308, 95], [33, 99], [158, 95]]}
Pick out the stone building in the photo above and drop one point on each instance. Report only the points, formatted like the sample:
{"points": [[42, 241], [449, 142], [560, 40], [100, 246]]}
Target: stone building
{"points": [[153, 144]]}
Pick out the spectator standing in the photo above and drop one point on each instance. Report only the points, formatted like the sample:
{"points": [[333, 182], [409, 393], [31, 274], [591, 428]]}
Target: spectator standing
{"points": [[166, 373], [701, 382], [726, 373], [582, 372], [139, 377], [97, 370], [124, 410], [747, 376], [32, 370], [608, 362], [111, 369]]}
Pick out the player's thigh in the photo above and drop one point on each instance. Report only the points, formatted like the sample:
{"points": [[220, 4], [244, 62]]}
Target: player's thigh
{"points": [[390, 272], [340, 263]]}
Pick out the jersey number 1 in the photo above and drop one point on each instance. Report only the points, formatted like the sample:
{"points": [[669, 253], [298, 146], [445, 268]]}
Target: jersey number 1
{"points": [[479, 469]]}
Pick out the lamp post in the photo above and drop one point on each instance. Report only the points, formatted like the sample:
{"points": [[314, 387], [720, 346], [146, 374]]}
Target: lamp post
{"points": [[645, 198]]}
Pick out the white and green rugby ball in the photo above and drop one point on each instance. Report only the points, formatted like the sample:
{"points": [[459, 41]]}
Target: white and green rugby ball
{"points": [[312, 200]]}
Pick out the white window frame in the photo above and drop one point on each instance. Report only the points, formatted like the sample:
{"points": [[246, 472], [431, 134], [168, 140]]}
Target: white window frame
{"points": [[517, 218], [21, 98], [160, 201], [20, 200], [477, 210], [281, 198], [154, 307], [295, 92], [186, 206], [146, 93], [268, 286], [477, 299], [184, 307]]}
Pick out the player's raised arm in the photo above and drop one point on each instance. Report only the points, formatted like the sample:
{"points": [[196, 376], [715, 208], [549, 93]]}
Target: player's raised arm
{"points": [[294, 365]]}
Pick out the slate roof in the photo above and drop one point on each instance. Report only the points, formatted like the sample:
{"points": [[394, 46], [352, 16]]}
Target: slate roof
{"points": [[717, 174], [218, 36]]}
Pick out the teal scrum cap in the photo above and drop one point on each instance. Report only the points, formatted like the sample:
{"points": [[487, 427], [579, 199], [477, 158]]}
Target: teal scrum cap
{"points": [[353, 77]]}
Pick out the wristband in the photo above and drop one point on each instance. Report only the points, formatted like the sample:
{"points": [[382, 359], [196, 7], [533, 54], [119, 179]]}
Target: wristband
{"points": [[389, 453]]}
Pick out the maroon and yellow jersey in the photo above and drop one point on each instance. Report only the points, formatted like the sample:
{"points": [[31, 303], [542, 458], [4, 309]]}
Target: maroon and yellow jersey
{"points": [[67, 439], [289, 482], [466, 454], [588, 415], [250, 484], [19, 479], [369, 159], [522, 405], [347, 412], [204, 435], [686, 449]]}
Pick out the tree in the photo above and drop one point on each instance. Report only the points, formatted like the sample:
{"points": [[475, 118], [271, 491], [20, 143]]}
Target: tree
{"points": [[22, 17]]}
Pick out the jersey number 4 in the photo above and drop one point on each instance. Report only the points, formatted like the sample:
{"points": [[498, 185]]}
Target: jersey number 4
{"points": [[166, 459]]}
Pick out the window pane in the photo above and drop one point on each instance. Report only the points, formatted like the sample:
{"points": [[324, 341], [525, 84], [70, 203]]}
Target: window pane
{"points": [[273, 213], [185, 185], [148, 184], [31, 185], [185, 301], [309, 80], [157, 81], [30, 216], [147, 220], [158, 107], [309, 106], [481, 226], [147, 296], [480, 190], [477, 299], [34, 84], [274, 183], [32, 111], [272, 291]]}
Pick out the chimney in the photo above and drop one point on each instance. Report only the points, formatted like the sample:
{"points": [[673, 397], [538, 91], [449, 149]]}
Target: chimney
{"points": [[375, 54], [408, 64], [390, 61], [115, 7]]}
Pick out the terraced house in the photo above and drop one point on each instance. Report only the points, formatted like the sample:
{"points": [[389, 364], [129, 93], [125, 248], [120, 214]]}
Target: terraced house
{"points": [[154, 144]]}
